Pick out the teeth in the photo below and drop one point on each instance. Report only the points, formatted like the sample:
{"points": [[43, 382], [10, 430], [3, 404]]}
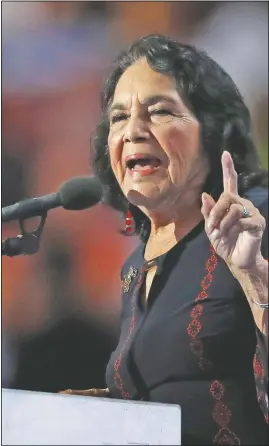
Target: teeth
{"points": [[155, 162]]}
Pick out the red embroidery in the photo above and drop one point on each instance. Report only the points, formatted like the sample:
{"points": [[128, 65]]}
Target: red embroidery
{"points": [[221, 413], [201, 296], [225, 436], [206, 282], [217, 390], [261, 379], [193, 328], [222, 416], [117, 377], [197, 311], [258, 368], [195, 325]]}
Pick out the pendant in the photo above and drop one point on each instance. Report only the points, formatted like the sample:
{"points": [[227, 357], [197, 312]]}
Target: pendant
{"points": [[127, 279]]}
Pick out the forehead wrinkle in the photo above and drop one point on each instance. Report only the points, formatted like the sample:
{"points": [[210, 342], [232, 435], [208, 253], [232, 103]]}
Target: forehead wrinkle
{"points": [[148, 101]]}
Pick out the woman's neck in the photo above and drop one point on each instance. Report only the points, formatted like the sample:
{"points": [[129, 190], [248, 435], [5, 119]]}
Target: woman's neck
{"points": [[164, 237]]}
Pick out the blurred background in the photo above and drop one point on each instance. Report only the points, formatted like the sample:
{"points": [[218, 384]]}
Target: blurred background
{"points": [[60, 308]]}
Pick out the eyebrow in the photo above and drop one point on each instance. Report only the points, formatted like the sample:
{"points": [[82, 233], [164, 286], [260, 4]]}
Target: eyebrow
{"points": [[150, 100]]}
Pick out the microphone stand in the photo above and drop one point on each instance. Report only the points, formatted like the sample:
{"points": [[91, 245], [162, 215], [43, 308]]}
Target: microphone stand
{"points": [[27, 243]]}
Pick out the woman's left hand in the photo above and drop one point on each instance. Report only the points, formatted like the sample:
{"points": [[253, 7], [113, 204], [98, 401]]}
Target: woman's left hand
{"points": [[233, 224]]}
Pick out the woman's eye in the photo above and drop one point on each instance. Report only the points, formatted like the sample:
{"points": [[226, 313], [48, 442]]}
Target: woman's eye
{"points": [[161, 112], [118, 118]]}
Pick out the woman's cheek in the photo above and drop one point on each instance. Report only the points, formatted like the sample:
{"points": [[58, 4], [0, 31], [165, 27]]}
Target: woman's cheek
{"points": [[182, 140], [171, 142], [181, 149]]}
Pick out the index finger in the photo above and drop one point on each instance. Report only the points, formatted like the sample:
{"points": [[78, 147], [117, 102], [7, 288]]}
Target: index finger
{"points": [[230, 183]]}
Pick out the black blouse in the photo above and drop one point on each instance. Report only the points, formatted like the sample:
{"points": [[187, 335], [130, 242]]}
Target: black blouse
{"points": [[194, 345]]}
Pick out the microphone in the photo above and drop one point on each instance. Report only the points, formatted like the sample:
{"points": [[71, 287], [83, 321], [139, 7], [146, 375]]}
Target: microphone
{"points": [[75, 194]]}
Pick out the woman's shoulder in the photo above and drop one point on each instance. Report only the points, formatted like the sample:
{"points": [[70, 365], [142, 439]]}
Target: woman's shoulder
{"points": [[258, 195]]}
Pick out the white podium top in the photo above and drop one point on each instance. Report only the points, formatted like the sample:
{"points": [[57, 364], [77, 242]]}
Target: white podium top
{"points": [[37, 418]]}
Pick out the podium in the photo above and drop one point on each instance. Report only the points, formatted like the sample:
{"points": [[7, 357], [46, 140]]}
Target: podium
{"points": [[37, 418]]}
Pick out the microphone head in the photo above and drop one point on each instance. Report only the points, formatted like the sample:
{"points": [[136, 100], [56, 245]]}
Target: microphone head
{"points": [[80, 193]]}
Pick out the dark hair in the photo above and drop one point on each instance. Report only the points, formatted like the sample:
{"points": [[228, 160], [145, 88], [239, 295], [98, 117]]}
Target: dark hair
{"points": [[209, 93]]}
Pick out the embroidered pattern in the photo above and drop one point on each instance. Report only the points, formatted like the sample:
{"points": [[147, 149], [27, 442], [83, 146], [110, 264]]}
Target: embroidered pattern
{"points": [[195, 325], [225, 436], [126, 286], [258, 368], [261, 378], [117, 377], [125, 283], [222, 416], [132, 273], [261, 382], [221, 413]]}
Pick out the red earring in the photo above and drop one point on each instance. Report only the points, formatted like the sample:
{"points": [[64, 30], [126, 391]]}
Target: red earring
{"points": [[129, 223]]}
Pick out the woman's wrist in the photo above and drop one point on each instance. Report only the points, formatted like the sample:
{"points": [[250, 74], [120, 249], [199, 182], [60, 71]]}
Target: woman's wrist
{"points": [[259, 268], [254, 282], [258, 278]]}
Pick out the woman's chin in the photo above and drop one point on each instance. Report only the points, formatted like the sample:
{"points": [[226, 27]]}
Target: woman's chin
{"points": [[144, 196]]}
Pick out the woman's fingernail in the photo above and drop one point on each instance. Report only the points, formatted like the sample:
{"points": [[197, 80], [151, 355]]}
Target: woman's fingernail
{"points": [[204, 197]]}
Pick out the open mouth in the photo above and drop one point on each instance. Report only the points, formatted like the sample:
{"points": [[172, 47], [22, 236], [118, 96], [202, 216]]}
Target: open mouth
{"points": [[142, 163]]}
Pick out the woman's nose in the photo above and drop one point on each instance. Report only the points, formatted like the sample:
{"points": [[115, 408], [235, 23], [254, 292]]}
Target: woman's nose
{"points": [[136, 130]]}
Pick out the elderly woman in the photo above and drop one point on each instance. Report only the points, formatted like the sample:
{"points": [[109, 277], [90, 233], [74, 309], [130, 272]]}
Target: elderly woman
{"points": [[175, 154]]}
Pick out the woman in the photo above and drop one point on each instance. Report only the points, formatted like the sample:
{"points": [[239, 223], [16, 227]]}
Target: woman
{"points": [[174, 152]]}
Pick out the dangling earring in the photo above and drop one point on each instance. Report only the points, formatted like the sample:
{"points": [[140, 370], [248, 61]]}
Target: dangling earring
{"points": [[129, 223]]}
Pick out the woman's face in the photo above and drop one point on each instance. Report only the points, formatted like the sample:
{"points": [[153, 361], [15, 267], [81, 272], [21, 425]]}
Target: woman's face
{"points": [[154, 140]]}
